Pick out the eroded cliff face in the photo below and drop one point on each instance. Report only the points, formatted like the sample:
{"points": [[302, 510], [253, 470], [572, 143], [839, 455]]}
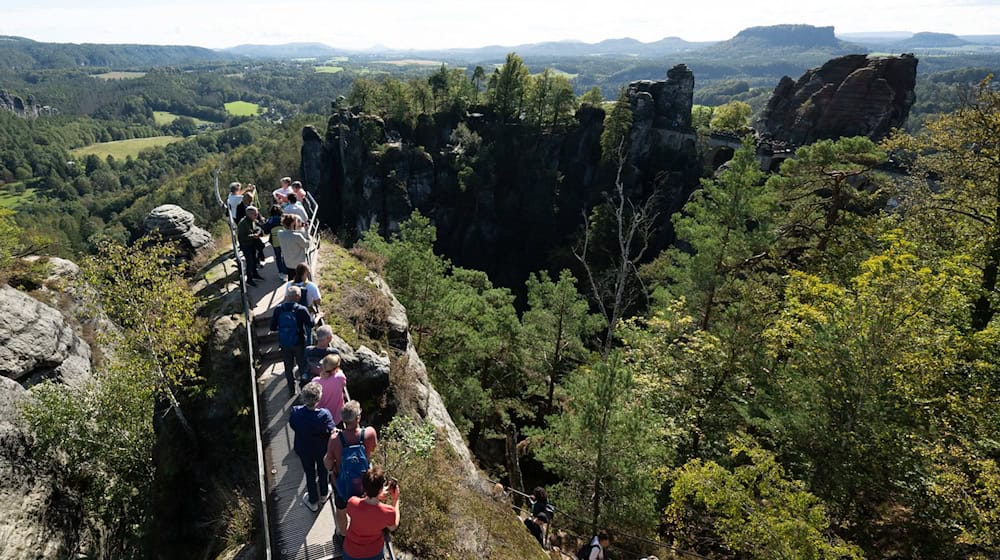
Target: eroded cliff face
{"points": [[506, 199], [851, 95]]}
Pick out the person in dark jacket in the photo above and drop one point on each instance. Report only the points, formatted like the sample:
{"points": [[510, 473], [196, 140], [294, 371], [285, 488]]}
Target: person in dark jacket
{"points": [[312, 427], [248, 234], [536, 526], [294, 351]]}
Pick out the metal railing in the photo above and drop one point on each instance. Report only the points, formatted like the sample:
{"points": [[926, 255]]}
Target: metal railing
{"points": [[248, 318], [312, 209]]}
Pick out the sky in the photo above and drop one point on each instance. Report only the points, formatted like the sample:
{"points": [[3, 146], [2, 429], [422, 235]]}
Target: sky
{"points": [[427, 24]]}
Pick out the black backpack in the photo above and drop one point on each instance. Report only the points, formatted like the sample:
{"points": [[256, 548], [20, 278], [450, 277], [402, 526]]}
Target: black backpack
{"points": [[584, 552]]}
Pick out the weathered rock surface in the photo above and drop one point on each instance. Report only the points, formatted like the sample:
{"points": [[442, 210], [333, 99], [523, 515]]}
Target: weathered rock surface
{"points": [[174, 223], [367, 371], [848, 96], [666, 103], [36, 343], [37, 520], [18, 106]]}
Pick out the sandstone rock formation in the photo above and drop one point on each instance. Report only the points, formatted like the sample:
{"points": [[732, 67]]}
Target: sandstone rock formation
{"points": [[666, 103], [36, 519], [848, 96], [174, 223], [36, 343], [18, 106]]}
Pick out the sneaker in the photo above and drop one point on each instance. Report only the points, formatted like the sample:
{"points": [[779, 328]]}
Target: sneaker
{"points": [[312, 507]]}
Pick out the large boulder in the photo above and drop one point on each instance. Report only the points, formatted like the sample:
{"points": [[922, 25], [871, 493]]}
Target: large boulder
{"points": [[367, 371], [848, 96], [176, 224], [37, 343]]}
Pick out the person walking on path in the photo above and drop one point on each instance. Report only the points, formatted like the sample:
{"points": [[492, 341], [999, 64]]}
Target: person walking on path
{"points": [[334, 384], [294, 326], [536, 526], [310, 291], [322, 349], [595, 549], [294, 244], [312, 425], [347, 456], [273, 227], [248, 233], [369, 517]]}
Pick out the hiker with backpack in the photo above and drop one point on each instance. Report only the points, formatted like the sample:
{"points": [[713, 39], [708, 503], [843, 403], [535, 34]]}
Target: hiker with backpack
{"points": [[294, 326], [322, 349], [369, 517], [310, 291], [595, 549], [536, 526], [312, 426], [347, 459]]}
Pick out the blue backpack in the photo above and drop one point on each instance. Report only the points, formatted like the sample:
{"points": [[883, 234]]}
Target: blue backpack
{"points": [[288, 326], [353, 466]]}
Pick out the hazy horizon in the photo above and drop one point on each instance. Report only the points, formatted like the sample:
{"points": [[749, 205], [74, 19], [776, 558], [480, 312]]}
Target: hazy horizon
{"points": [[436, 24]]}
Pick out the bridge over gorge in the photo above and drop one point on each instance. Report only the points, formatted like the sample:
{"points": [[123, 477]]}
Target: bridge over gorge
{"points": [[290, 530]]}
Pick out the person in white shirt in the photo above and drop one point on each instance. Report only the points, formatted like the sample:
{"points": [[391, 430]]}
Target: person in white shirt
{"points": [[235, 198], [295, 208], [310, 291], [282, 192]]}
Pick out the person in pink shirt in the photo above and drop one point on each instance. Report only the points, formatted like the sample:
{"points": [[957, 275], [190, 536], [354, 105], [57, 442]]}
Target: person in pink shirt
{"points": [[334, 384]]}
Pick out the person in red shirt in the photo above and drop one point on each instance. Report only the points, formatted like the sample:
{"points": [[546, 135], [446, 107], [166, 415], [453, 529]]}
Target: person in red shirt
{"points": [[369, 516]]}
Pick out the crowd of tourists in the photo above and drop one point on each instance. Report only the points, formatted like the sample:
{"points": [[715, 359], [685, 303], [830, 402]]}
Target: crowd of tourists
{"points": [[285, 227], [333, 445]]}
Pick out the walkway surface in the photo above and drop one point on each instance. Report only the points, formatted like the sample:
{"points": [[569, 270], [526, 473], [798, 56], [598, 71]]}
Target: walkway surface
{"points": [[297, 532]]}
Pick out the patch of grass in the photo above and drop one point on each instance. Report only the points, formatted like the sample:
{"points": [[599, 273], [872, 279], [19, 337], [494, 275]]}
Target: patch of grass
{"points": [[339, 275], [14, 194], [164, 117], [444, 518], [120, 149], [336, 59], [329, 69], [242, 108], [118, 75], [410, 62]]}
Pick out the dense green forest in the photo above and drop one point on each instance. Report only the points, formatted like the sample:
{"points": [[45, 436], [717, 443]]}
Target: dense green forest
{"points": [[809, 372], [813, 375]]}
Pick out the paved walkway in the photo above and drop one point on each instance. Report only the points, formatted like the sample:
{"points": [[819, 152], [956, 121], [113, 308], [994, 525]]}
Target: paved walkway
{"points": [[297, 533]]}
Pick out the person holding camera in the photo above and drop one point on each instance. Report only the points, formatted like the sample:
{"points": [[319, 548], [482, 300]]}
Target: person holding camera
{"points": [[369, 517]]}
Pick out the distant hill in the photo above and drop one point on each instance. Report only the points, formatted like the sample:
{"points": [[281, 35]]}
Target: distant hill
{"points": [[806, 38], [873, 37], [18, 53], [554, 49], [982, 39], [928, 40], [288, 50]]}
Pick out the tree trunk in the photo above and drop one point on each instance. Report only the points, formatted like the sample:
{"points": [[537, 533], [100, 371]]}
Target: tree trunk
{"points": [[514, 465]]}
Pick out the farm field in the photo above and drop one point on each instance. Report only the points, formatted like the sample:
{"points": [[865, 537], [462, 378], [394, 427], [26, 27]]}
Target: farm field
{"points": [[10, 198], [120, 149], [410, 62], [242, 108], [165, 117], [118, 75], [329, 69]]}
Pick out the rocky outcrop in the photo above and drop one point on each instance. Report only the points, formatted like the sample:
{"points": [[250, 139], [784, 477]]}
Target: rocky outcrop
{"points": [[176, 224], [37, 343], [37, 520], [18, 106], [848, 96], [664, 103]]}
